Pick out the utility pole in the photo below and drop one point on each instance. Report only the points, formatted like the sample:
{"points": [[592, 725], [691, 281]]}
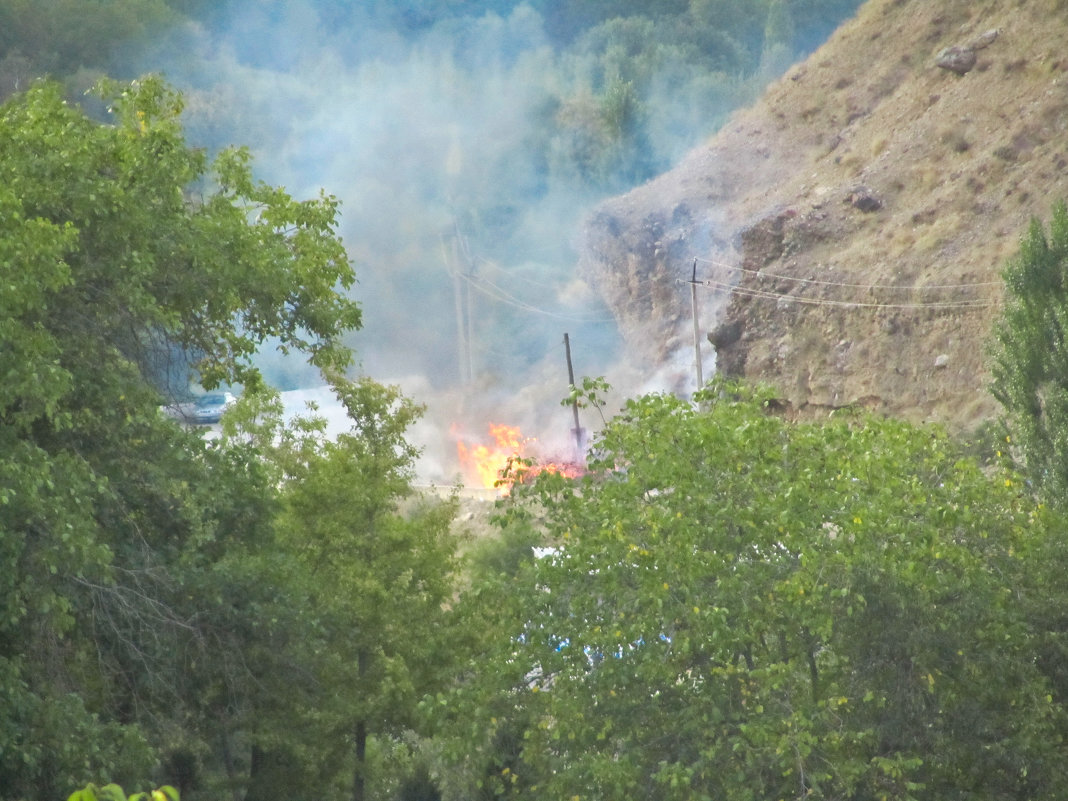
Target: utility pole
{"points": [[577, 430], [461, 328], [464, 254], [460, 267], [696, 327], [470, 322]]}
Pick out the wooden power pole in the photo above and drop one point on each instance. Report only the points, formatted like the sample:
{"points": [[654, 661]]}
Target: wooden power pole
{"points": [[460, 267], [696, 327], [461, 327], [577, 430]]}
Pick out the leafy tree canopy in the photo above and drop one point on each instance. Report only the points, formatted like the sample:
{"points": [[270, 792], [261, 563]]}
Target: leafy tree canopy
{"points": [[740, 607], [61, 38], [1030, 371], [363, 573], [118, 246]]}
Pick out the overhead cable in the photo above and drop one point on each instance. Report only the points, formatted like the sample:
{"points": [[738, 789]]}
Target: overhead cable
{"points": [[896, 287], [783, 296], [493, 291]]}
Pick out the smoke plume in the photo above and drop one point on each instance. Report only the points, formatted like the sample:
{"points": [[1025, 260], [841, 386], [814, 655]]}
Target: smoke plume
{"points": [[461, 200]]}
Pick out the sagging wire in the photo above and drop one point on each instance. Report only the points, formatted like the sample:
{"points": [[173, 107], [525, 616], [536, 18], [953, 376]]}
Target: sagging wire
{"points": [[964, 304]]}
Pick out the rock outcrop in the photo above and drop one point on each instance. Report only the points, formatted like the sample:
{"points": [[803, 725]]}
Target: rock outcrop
{"points": [[850, 228]]}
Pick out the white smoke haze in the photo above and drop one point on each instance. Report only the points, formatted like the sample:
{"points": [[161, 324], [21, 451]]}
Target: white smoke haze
{"points": [[435, 145]]}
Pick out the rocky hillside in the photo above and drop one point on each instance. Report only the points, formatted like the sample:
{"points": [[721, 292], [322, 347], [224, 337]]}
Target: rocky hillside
{"points": [[850, 228]]}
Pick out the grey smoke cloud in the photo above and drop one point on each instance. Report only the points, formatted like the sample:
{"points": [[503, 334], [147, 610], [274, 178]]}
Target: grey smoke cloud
{"points": [[422, 138], [429, 142], [438, 141]]}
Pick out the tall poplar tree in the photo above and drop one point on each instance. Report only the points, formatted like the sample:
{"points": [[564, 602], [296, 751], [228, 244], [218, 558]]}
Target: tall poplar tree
{"points": [[1030, 367]]}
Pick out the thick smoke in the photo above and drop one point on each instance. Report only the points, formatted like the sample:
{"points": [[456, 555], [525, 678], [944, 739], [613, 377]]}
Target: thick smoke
{"points": [[457, 200], [425, 139]]}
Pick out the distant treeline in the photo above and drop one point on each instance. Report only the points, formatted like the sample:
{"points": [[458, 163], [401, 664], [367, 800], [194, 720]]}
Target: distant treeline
{"points": [[76, 40], [568, 20]]}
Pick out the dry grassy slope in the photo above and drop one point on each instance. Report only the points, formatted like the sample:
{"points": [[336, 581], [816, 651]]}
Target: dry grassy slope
{"points": [[960, 163]]}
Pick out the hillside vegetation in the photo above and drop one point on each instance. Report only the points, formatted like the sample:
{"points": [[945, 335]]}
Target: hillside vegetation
{"points": [[862, 210], [726, 604]]}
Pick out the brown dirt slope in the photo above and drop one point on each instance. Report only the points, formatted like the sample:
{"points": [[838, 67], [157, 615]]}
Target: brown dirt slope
{"points": [[851, 227]]}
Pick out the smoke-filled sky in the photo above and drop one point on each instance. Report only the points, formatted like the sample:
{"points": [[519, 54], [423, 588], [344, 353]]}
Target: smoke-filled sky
{"points": [[457, 190], [426, 141]]}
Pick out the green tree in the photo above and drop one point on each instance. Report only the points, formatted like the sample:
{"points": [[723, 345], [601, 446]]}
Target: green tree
{"points": [[1030, 359], [779, 28], [369, 567], [119, 243], [59, 38], [113, 792], [740, 607]]}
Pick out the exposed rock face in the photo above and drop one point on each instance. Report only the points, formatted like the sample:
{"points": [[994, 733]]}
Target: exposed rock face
{"points": [[960, 60], [884, 300], [645, 256], [864, 199]]}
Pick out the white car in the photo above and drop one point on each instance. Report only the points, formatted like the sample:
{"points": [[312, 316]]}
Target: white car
{"points": [[210, 407]]}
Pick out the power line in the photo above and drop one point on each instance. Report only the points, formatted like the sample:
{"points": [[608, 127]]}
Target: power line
{"points": [[777, 296], [895, 287], [482, 260], [495, 292]]}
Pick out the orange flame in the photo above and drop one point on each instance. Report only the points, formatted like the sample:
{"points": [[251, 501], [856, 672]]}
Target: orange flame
{"points": [[484, 464], [496, 465]]}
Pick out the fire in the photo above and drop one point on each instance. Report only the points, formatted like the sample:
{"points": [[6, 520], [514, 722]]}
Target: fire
{"points": [[486, 465]]}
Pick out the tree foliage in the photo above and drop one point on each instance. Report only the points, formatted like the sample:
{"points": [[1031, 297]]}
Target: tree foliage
{"points": [[1030, 365], [119, 244], [740, 607], [70, 39], [113, 792], [731, 606], [364, 571]]}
